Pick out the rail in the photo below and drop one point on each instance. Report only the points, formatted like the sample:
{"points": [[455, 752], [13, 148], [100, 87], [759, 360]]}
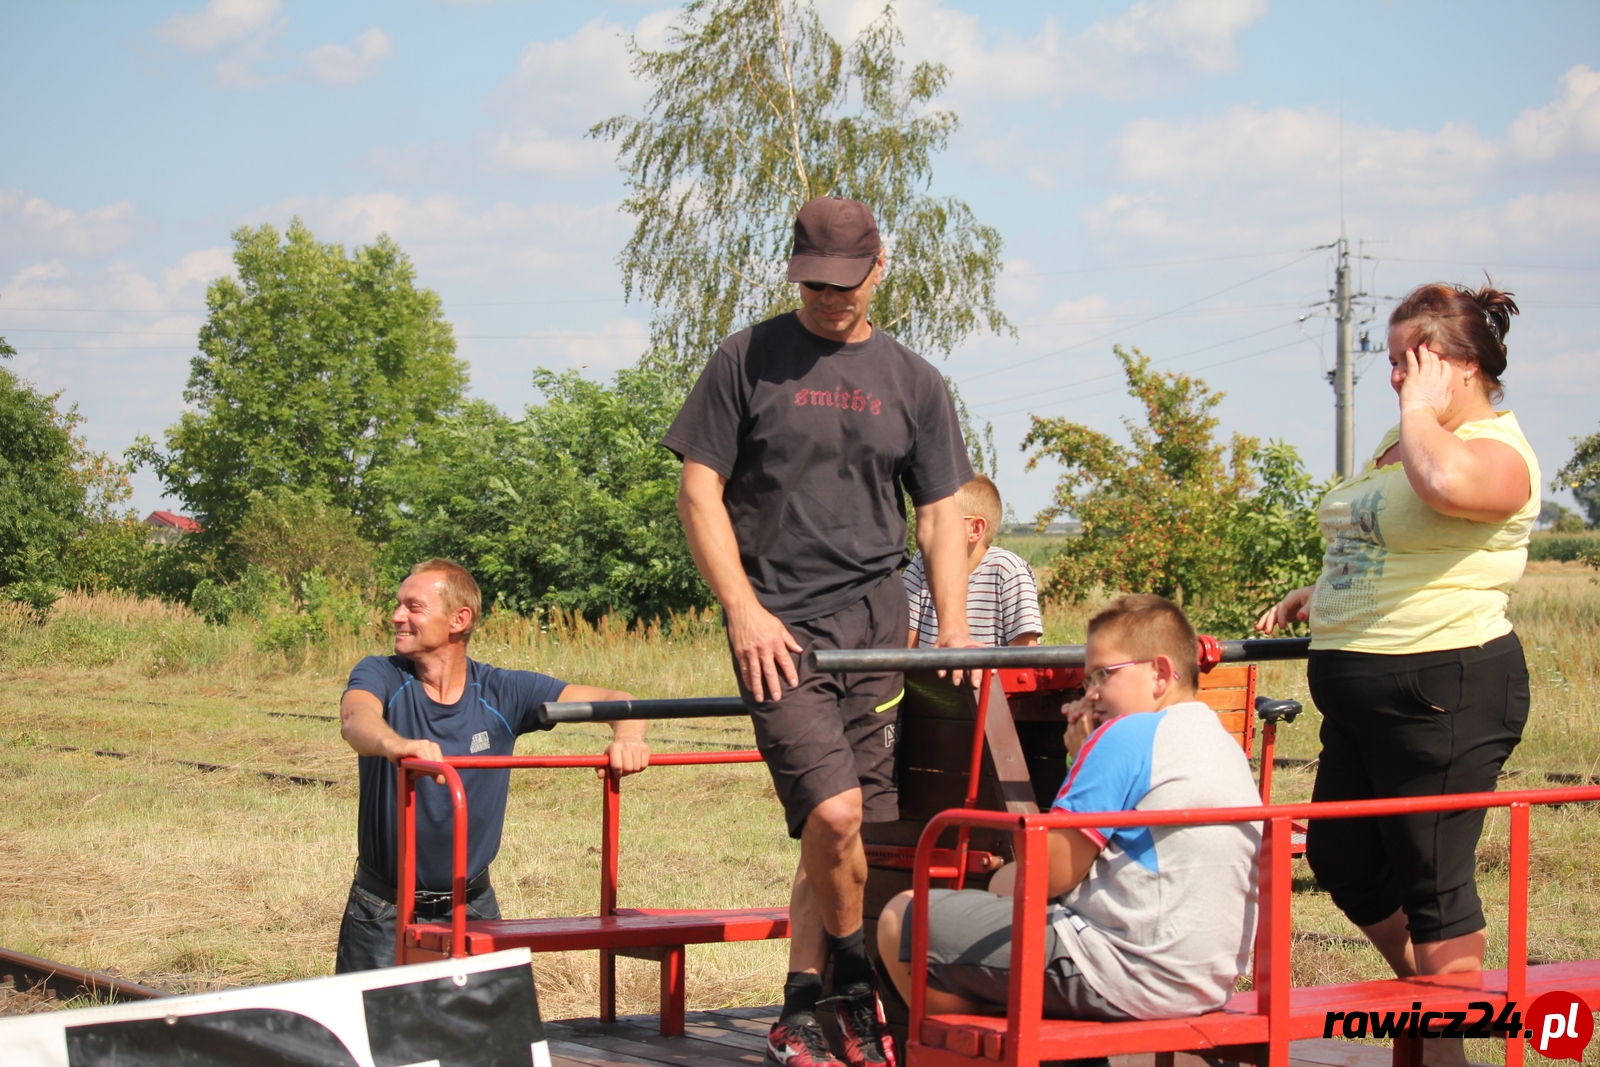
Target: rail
{"points": [[1272, 977], [842, 660], [557, 711], [27, 971]]}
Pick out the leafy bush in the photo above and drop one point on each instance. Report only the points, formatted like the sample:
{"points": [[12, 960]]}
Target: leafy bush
{"points": [[571, 508], [1222, 531], [257, 594], [1561, 548], [294, 533]]}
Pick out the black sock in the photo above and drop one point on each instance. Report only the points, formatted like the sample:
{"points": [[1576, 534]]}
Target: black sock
{"points": [[851, 967], [801, 992]]}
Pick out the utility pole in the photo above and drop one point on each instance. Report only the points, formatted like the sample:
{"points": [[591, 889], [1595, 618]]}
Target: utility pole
{"points": [[1344, 370]]}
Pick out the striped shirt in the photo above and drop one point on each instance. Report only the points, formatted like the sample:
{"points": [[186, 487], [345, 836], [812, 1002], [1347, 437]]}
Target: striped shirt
{"points": [[1002, 600]]}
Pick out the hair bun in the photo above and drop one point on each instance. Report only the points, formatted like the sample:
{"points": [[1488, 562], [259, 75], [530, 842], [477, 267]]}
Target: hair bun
{"points": [[1497, 307]]}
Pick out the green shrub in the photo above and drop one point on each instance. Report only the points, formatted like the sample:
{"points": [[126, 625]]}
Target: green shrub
{"points": [[1562, 548], [256, 595]]}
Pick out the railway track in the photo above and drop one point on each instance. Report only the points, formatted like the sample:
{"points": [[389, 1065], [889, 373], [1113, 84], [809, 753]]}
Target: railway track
{"points": [[30, 974]]}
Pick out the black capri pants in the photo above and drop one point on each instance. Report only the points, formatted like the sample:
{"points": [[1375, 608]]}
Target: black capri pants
{"points": [[1423, 724]]}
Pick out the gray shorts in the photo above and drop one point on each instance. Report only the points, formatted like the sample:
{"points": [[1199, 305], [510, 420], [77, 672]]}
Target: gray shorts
{"points": [[969, 955]]}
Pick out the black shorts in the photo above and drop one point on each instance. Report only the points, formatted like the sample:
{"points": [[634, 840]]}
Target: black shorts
{"points": [[1425, 724], [969, 955], [836, 732]]}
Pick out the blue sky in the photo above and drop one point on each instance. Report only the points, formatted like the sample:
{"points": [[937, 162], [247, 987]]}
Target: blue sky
{"points": [[1161, 173]]}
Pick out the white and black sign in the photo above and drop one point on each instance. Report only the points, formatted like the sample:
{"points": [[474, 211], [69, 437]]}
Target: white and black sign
{"points": [[476, 1012]]}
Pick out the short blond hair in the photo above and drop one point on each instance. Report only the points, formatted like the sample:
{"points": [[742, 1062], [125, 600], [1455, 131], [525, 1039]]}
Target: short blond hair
{"points": [[1145, 626], [980, 497], [458, 588]]}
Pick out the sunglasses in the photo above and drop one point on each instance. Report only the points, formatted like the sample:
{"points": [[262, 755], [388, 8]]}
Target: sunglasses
{"points": [[818, 287], [1100, 675]]}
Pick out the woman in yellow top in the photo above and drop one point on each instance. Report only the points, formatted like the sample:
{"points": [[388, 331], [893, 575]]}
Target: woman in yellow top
{"points": [[1420, 680]]}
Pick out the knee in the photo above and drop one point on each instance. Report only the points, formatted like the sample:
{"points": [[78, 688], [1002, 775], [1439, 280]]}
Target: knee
{"points": [[837, 819]]}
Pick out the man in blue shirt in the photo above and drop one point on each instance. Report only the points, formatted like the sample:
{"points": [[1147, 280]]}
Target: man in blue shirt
{"points": [[426, 701]]}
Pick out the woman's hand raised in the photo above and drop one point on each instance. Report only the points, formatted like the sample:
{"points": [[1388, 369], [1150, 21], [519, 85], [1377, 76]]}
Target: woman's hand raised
{"points": [[1427, 383], [1296, 607]]}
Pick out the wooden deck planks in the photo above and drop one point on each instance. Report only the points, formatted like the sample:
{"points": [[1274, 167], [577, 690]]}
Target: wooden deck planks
{"points": [[736, 1037]]}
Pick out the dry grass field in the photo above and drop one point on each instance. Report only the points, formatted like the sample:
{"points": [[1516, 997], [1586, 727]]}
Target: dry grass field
{"points": [[150, 867]]}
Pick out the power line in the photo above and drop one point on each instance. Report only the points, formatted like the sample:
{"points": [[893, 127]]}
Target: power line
{"points": [[1148, 319], [1144, 266], [1206, 366], [1484, 263], [1115, 373], [1168, 359]]}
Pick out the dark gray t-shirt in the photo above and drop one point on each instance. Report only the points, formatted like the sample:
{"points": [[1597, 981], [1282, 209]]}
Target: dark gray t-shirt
{"points": [[816, 439]]}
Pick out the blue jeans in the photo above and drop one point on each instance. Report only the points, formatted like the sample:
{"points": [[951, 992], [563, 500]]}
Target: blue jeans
{"points": [[366, 935]]}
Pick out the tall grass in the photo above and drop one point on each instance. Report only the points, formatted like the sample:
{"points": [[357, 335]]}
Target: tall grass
{"points": [[195, 879]]}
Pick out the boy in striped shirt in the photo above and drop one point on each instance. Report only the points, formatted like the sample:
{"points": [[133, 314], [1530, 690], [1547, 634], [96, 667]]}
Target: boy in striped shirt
{"points": [[1002, 599]]}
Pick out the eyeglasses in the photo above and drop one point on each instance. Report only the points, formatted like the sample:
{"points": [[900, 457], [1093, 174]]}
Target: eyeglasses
{"points": [[818, 287], [1100, 675]]}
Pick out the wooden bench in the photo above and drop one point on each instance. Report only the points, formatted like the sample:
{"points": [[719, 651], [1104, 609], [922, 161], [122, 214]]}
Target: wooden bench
{"points": [[647, 933], [1255, 1027]]}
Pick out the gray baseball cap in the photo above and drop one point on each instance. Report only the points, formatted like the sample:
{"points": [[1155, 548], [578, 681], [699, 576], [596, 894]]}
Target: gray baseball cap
{"points": [[835, 241]]}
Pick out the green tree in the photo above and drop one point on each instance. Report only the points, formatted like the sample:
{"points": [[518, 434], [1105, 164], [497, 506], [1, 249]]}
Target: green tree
{"points": [[573, 507], [756, 109], [1273, 543], [58, 499], [1175, 512], [1559, 519], [1581, 474], [316, 369]]}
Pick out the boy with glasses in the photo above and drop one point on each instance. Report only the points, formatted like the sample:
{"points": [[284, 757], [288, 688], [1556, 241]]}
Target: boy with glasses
{"points": [[1148, 922], [1002, 597]]}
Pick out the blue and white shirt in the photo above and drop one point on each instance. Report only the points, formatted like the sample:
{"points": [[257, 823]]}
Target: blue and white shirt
{"points": [[1162, 924], [495, 708]]}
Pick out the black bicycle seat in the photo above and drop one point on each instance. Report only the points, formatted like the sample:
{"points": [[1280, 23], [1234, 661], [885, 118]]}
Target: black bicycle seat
{"points": [[1269, 710]]}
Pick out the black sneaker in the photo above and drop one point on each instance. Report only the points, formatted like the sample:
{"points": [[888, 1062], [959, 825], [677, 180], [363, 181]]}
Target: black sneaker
{"points": [[866, 1033], [799, 1043]]}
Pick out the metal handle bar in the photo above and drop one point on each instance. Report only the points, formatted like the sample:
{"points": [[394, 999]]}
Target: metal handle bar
{"points": [[842, 660], [614, 710]]}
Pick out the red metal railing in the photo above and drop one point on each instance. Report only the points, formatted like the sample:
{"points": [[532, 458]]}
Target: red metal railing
{"points": [[610, 823], [1272, 976]]}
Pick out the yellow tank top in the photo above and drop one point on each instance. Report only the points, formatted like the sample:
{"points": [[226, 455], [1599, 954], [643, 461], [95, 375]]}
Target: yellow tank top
{"points": [[1399, 577]]}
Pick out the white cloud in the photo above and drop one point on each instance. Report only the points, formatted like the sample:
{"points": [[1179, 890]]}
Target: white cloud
{"points": [[336, 64], [220, 22], [1270, 178], [1148, 49], [559, 89], [1571, 122], [32, 229], [453, 237]]}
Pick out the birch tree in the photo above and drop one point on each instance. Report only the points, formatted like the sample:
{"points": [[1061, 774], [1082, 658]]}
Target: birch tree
{"points": [[757, 109]]}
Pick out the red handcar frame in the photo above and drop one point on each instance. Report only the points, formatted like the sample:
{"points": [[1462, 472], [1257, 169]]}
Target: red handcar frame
{"points": [[1256, 1026]]}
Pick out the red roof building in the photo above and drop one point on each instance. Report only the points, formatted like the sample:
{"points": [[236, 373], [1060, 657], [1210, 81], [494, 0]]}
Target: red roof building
{"points": [[169, 526]]}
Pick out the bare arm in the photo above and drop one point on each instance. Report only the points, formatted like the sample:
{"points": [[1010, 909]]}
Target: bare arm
{"points": [[1293, 608], [1024, 640], [761, 643], [628, 751], [1485, 481], [1072, 853], [942, 537], [362, 726]]}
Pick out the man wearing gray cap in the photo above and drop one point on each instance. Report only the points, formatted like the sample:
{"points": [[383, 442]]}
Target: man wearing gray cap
{"points": [[797, 442]]}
